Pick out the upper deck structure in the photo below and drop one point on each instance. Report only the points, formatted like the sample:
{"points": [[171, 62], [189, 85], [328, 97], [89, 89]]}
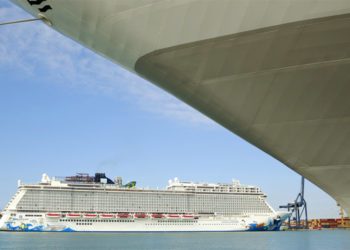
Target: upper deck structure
{"points": [[274, 72]]}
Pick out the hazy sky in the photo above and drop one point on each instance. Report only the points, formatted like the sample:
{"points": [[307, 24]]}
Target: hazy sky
{"points": [[64, 109]]}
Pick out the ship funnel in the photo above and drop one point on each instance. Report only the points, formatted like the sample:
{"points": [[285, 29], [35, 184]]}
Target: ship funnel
{"points": [[45, 178], [118, 181]]}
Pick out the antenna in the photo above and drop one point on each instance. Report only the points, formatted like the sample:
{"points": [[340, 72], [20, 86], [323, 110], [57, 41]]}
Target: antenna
{"points": [[40, 17], [21, 21]]}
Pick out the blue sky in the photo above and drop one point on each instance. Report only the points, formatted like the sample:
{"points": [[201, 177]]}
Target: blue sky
{"points": [[64, 109]]}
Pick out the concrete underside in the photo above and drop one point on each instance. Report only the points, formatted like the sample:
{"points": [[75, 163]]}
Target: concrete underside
{"points": [[285, 89]]}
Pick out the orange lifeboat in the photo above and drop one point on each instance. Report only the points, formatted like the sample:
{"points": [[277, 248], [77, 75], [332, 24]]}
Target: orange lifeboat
{"points": [[157, 216], [73, 215], [90, 216], [53, 215], [188, 216], [173, 216], [123, 215], [107, 216], [140, 215]]}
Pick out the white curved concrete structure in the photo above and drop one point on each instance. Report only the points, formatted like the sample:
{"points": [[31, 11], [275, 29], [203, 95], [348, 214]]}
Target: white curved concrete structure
{"points": [[275, 72]]}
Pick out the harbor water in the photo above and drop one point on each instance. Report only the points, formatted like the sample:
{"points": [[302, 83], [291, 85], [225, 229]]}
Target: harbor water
{"points": [[324, 239]]}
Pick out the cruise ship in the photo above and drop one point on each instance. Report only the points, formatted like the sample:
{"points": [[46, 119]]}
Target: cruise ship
{"points": [[84, 203]]}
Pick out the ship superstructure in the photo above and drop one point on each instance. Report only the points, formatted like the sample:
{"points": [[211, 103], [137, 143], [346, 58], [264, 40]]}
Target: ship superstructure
{"points": [[96, 203]]}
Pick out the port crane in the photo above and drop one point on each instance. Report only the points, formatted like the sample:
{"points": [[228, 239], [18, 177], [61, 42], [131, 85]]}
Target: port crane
{"points": [[298, 209]]}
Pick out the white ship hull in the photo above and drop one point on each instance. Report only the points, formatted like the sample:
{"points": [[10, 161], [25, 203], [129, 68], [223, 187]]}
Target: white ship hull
{"points": [[40, 223]]}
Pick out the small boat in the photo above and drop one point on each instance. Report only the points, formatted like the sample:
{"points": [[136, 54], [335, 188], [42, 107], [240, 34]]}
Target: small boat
{"points": [[188, 216], [123, 215], [157, 216], [173, 216], [140, 215], [53, 215], [90, 215], [72, 215], [107, 216]]}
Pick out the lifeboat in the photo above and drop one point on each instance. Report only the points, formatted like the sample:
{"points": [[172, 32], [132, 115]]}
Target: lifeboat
{"points": [[173, 216], [157, 216], [73, 215], [140, 215], [107, 216], [188, 216], [123, 215], [53, 215], [90, 216]]}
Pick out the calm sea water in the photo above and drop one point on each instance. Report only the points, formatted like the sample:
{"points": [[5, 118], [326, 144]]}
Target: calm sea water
{"points": [[326, 239]]}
